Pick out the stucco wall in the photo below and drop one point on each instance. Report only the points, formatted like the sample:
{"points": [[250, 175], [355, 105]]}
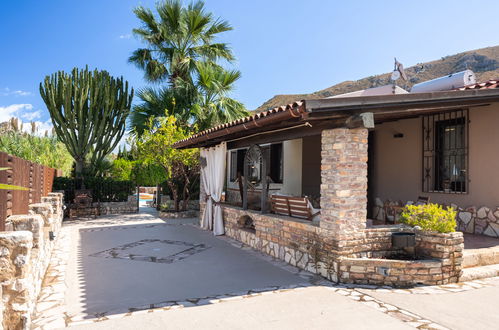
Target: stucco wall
{"points": [[398, 161]]}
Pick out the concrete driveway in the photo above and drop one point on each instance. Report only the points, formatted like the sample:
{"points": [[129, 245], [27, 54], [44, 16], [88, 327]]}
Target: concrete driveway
{"points": [[138, 271], [126, 267], [308, 308], [471, 309]]}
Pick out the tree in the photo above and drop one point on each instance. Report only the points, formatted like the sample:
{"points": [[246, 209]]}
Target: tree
{"points": [[154, 146], [88, 111], [208, 105], [181, 49], [158, 103], [213, 105], [177, 38]]}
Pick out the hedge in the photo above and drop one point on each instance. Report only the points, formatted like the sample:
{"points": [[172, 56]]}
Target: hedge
{"points": [[103, 189]]}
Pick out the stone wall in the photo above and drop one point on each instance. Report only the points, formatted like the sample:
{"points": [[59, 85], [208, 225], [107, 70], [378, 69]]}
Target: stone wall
{"points": [[130, 206], [25, 250], [441, 264], [474, 220], [307, 246], [340, 247], [298, 242], [179, 215]]}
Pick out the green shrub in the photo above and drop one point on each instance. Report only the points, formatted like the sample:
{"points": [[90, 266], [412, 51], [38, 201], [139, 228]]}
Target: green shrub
{"points": [[122, 169], [46, 150], [430, 217]]}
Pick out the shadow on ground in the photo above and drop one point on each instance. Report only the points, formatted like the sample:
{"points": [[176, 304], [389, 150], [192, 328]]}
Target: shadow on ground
{"points": [[125, 268]]}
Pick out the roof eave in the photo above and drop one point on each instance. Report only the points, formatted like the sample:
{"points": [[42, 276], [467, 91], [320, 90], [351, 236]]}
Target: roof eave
{"points": [[401, 100]]}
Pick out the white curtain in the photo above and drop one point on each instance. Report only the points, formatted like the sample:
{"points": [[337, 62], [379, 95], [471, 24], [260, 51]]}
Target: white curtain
{"points": [[213, 178]]}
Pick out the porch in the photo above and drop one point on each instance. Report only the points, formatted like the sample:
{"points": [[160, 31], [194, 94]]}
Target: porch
{"points": [[345, 155], [341, 246]]}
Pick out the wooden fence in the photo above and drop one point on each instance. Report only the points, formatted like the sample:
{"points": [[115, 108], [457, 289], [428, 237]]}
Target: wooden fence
{"points": [[36, 177]]}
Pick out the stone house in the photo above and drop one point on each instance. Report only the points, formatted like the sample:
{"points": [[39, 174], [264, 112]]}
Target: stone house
{"points": [[353, 156]]}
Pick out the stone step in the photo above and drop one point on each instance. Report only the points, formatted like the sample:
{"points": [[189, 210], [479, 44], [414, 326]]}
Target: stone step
{"points": [[475, 273], [480, 257]]}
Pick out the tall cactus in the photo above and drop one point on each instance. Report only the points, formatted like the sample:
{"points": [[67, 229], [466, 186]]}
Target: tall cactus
{"points": [[88, 111]]}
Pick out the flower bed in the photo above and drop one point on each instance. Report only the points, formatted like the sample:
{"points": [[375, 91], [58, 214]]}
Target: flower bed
{"points": [[440, 258]]}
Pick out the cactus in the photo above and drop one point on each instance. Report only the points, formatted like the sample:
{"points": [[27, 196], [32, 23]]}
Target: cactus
{"points": [[88, 111]]}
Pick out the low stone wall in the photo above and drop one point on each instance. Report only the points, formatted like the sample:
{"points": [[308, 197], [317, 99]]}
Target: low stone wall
{"points": [[363, 260], [296, 241], [444, 253], [105, 208], [129, 206], [25, 250], [191, 204], [179, 215], [482, 220], [474, 220]]}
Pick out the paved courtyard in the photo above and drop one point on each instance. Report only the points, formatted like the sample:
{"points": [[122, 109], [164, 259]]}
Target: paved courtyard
{"points": [[129, 271]]}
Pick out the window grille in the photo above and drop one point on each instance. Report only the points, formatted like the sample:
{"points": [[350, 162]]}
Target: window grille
{"points": [[445, 152]]}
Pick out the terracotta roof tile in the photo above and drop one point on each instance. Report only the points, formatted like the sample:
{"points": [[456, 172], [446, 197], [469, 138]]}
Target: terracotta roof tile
{"points": [[485, 85], [244, 120]]}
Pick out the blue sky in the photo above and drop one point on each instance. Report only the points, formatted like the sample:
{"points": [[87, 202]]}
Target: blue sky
{"points": [[281, 46]]}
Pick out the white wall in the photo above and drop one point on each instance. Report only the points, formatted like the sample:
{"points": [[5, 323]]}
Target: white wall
{"points": [[292, 163]]}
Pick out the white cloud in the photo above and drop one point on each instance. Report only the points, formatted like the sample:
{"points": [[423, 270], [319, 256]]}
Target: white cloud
{"points": [[30, 116], [25, 116], [125, 36], [12, 111], [41, 127], [8, 92]]}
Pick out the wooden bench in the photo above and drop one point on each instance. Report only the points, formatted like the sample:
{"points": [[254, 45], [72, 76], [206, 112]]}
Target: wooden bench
{"points": [[297, 207]]}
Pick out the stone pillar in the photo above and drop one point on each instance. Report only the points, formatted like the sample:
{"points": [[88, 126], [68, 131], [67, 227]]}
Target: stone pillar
{"points": [[344, 185]]}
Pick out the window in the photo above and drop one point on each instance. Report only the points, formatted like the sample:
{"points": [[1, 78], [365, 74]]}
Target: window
{"points": [[275, 168], [445, 153], [273, 156], [236, 163]]}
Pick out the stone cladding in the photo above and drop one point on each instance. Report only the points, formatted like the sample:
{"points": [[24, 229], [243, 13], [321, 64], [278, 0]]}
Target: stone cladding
{"points": [[25, 251], [340, 247]]}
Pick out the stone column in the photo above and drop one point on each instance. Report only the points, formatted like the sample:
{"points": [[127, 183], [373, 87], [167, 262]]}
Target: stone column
{"points": [[344, 186]]}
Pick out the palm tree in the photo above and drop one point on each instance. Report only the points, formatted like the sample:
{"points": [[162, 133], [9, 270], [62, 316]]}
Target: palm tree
{"points": [[158, 103], [213, 105], [206, 105], [177, 38]]}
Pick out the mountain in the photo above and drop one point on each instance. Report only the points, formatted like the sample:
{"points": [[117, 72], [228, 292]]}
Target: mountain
{"points": [[484, 62]]}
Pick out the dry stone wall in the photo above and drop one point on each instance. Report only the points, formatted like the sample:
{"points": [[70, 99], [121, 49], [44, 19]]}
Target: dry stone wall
{"points": [[25, 250]]}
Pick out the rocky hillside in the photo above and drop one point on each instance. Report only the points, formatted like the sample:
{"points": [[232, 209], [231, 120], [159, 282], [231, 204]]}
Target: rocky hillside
{"points": [[484, 62]]}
